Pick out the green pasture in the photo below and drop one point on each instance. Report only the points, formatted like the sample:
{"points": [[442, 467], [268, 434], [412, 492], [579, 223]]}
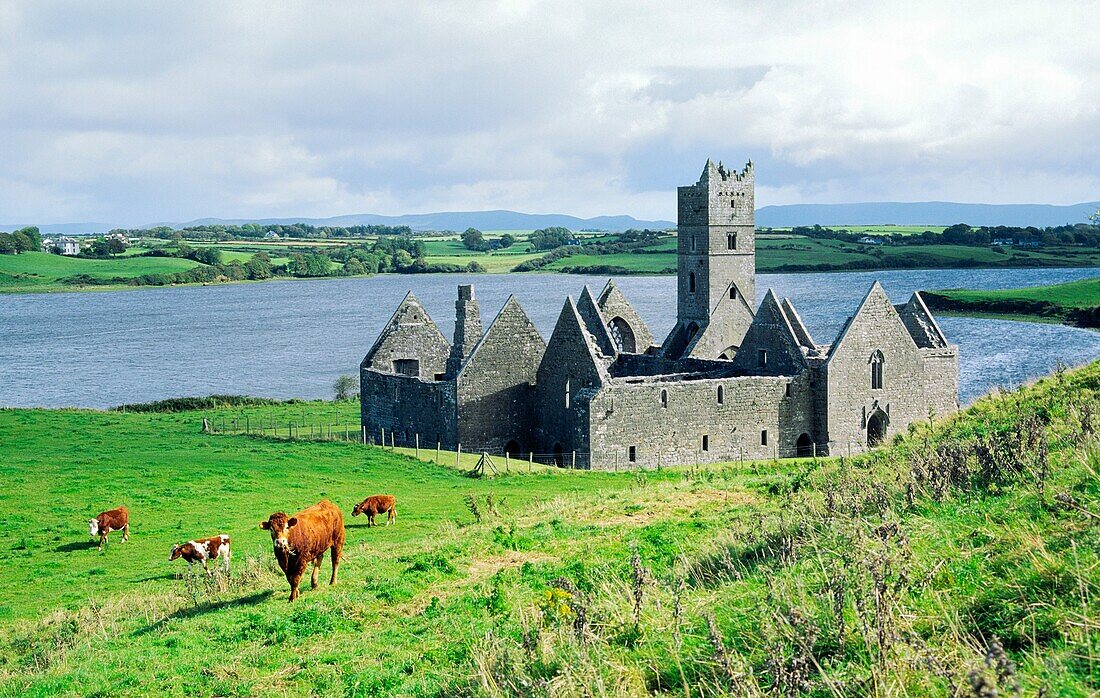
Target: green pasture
{"points": [[1074, 294], [40, 271], [884, 574]]}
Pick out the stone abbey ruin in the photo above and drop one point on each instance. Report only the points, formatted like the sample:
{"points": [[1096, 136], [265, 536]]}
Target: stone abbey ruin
{"points": [[728, 382]]}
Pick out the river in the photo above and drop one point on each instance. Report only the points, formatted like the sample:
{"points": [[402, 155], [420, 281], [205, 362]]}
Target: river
{"points": [[293, 338]]}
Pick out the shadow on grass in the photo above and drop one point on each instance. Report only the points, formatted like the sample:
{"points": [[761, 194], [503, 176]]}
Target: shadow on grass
{"points": [[76, 545], [154, 578], [204, 608]]}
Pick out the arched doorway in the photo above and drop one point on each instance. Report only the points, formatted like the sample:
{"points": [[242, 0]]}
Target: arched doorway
{"points": [[512, 448], [876, 428], [622, 335], [804, 447], [559, 459]]}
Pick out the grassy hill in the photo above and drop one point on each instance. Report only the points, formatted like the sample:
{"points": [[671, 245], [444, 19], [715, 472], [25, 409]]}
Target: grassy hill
{"points": [[962, 559], [41, 271], [1075, 302]]}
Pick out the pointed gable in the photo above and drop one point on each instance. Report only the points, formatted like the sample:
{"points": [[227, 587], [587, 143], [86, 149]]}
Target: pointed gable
{"points": [[595, 323], [875, 321], [410, 335], [771, 346], [921, 325], [511, 341], [570, 350], [797, 325], [623, 318]]}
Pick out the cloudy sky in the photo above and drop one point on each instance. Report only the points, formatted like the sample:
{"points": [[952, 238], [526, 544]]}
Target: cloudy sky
{"points": [[131, 113]]}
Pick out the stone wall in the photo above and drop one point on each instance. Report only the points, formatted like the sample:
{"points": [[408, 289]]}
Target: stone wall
{"points": [[851, 399], [670, 428], [410, 334], [566, 378], [614, 305], [406, 406], [496, 386]]}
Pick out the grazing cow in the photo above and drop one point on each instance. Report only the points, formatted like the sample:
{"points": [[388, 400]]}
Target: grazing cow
{"points": [[204, 550], [113, 520], [303, 538], [378, 504]]}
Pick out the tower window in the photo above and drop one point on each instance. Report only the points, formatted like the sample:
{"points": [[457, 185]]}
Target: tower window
{"points": [[877, 362], [406, 367], [763, 437], [664, 398], [691, 282], [733, 292], [787, 390], [632, 454], [721, 395], [692, 243], [761, 358], [566, 393], [731, 241]]}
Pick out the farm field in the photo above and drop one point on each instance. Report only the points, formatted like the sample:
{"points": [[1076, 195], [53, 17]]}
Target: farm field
{"points": [[897, 573], [40, 271]]}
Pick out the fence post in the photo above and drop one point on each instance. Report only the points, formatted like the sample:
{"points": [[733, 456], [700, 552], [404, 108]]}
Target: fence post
{"points": [[573, 465], [347, 432], [507, 461], [364, 429], [437, 461], [815, 449], [458, 456], [530, 461], [393, 440], [418, 445]]}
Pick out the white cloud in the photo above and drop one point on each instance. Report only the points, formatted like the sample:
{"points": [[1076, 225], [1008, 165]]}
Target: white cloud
{"points": [[132, 113]]}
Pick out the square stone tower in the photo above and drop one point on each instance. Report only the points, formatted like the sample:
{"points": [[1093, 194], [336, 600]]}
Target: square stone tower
{"points": [[716, 246]]}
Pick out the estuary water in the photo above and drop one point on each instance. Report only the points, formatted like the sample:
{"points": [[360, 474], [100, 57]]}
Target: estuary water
{"points": [[294, 338]]}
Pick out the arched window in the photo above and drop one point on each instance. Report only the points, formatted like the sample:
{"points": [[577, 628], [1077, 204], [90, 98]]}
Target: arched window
{"points": [[622, 335], [877, 362], [733, 292], [664, 398], [692, 243], [731, 241], [566, 393], [721, 395], [691, 282]]}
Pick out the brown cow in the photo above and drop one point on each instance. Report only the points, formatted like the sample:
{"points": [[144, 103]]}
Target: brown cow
{"points": [[204, 550], [303, 538], [113, 520], [377, 504]]}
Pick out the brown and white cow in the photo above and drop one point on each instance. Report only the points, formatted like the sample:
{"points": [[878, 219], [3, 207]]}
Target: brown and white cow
{"points": [[108, 521], [303, 538], [377, 504], [203, 550]]}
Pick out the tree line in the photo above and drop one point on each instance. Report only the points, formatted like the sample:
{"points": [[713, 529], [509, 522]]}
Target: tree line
{"points": [[963, 234]]}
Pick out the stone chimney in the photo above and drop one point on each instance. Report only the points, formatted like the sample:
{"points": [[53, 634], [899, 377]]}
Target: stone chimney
{"points": [[467, 328]]}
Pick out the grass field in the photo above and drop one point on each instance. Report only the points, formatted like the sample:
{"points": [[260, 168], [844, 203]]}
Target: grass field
{"points": [[1075, 302], [962, 557], [41, 271]]}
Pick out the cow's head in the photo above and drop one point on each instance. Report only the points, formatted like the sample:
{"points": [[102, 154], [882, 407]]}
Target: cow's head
{"points": [[93, 527], [279, 525], [359, 508], [177, 550]]}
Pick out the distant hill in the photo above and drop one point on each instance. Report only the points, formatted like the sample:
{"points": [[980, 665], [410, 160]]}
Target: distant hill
{"points": [[914, 213], [460, 220], [924, 213]]}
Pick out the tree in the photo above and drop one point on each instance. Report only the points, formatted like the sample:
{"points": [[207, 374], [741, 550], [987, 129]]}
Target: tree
{"points": [[346, 388], [116, 246], [506, 240], [473, 239], [308, 265], [354, 267], [259, 266], [7, 244], [549, 238]]}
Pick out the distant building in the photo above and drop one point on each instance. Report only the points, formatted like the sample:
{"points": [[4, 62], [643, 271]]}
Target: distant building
{"points": [[1001, 242], [117, 236], [62, 245], [1029, 243], [271, 235], [870, 240]]}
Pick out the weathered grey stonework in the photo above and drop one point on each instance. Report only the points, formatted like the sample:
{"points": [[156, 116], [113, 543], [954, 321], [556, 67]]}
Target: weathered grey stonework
{"points": [[729, 382]]}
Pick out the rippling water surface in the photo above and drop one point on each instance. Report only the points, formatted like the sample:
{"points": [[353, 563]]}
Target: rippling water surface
{"points": [[293, 338]]}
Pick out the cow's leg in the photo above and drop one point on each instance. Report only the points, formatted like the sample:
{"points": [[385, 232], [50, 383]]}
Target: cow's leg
{"points": [[225, 563], [295, 578], [393, 516], [103, 541], [206, 568], [337, 551], [126, 532]]}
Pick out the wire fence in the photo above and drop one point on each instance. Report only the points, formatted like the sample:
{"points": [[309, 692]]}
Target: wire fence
{"points": [[506, 459]]}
